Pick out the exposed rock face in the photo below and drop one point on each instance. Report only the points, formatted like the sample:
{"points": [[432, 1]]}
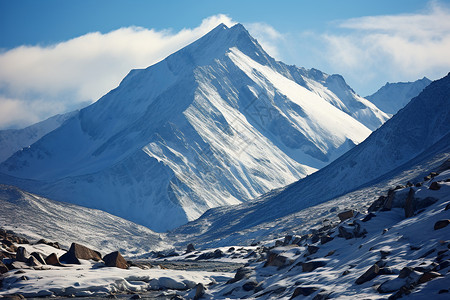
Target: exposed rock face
{"points": [[77, 252], [115, 259]]}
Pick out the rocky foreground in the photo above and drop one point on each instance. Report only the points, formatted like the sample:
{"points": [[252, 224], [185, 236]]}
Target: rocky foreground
{"points": [[398, 248]]}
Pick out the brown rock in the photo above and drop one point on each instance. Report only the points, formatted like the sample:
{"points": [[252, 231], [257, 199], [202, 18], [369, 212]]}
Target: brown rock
{"points": [[410, 204], [345, 215], [304, 291], [53, 260], [115, 259], [78, 251], [370, 274], [312, 265], [33, 262], [199, 291], [441, 224], [3, 268], [428, 276]]}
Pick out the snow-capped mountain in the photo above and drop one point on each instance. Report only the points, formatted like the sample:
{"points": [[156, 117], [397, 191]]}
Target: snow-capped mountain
{"points": [[216, 123], [414, 140], [12, 140], [394, 96]]}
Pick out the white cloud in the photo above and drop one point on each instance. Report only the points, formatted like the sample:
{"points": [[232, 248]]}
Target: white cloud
{"points": [[268, 37], [81, 69], [392, 47]]}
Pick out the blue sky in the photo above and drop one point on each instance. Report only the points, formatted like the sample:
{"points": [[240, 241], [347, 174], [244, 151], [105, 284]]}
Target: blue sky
{"points": [[60, 55]]}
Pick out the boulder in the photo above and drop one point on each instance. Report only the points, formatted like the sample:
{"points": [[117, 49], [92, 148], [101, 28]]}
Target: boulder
{"points": [[3, 268], [377, 204], [447, 207], [277, 260], [345, 215], [80, 252], [313, 249], [387, 205], [190, 248], [33, 262], [435, 186], [22, 254], [370, 274], [312, 265], [53, 260], [199, 291], [345, 233], [241, 273], [52, 244], [304, 291], [39, 257], [115, 259], [70, 258], [428, 276], [325, 239], [368, 217], [441, 224], [410, 204], [250, 285], [209, 255]]}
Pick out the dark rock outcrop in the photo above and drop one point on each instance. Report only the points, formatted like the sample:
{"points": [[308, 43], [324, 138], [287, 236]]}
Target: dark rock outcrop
{"points": [[115, 259], [77, 252], [441, 224], [370, 274], [346, 215]]}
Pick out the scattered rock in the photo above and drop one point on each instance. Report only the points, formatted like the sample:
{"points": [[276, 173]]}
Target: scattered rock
{"points": [[410, 204], [53, 260], [78, 251], [22, 254], [345, 215], [435, 186], [115, 259], [33, 262], [368, 217], [39, 257], [199, 291], [313, 249], [304, 291], [136, 296], [346, 272], [3, 268], [428, 276], [370, 274], [231, 249], [312, 265], [52, 244], [241, 273], [277, 260], [441, 224], [250, 285], [443, 291], [343, 232], [190, 248], [216, 254], [325, 239]]}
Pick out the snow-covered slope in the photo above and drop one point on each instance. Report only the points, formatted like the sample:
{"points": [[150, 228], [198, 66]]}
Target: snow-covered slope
{"points": [[216, 123], [394, 96], [413, 141], [37, 217], [12, 140]]}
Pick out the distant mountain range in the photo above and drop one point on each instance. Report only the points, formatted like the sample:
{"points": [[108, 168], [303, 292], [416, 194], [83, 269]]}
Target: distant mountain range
{"points": [[394, 96]]}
